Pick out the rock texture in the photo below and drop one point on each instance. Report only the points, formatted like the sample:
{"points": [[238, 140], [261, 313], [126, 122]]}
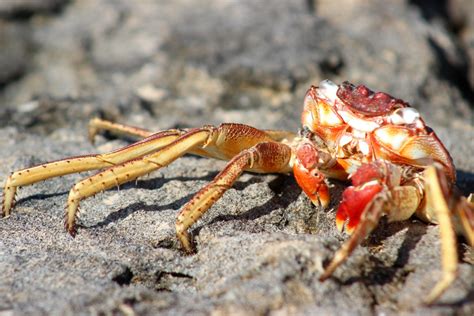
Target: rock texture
{"points": [[185, 63]]}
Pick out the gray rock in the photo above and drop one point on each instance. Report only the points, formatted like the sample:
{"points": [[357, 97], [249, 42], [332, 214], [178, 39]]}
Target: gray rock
{"points": [[462, 22], [261, 248], [20, 8], [14, 41]]}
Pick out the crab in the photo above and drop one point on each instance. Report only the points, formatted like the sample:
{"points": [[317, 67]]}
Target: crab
{"points": [[397, 165]]}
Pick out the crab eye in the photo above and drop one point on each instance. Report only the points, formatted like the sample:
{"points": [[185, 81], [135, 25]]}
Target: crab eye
{"points": [[328, 89], [404, 116]]}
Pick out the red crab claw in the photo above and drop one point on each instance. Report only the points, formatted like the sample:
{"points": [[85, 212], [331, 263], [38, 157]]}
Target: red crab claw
{"points": [[354, 202], [308, 176], [366, 185], [363, 205]]}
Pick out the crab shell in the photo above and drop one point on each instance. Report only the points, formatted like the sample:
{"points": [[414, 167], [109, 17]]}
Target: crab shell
{"points": [[359, 126]]}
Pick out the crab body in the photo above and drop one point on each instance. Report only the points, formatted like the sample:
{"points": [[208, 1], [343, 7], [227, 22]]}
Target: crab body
{"points": [[348, 127], [397, 165]]}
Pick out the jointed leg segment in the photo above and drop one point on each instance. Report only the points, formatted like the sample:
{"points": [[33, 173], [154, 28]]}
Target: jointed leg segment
{"points": [[82, 163], [247, 147], [97, 124], [436, 201], [263, 157], [376, 191], [131, 170], [368, 222], [364, 203]]}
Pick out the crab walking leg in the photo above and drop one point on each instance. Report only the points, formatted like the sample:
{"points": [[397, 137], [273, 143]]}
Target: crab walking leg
{"points": [[435, 199], [369, 220], [82, 163], [465, 213], [97, 124], [132, 169], [222, 142], [268, 157]]}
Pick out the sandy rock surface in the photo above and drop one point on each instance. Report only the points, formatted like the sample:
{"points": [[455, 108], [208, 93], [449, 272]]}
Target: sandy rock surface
{"points": [[261, 248]]}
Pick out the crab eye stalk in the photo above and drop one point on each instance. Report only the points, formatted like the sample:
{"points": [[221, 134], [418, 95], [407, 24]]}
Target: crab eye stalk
{"points": [[328, 89]]}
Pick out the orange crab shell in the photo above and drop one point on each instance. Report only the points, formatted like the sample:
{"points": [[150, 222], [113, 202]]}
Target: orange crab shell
{"points": [[359, 128], [412, 147], [377, 125], [320, 116]]}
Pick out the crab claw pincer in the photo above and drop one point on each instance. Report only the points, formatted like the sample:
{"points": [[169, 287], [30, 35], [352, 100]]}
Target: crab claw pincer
{"points": [[354, 201], [366, 185], [308, 176]]}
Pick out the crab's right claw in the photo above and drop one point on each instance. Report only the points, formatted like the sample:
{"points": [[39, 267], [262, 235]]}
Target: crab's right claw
{"points": [[308, 176], [313, 184]]}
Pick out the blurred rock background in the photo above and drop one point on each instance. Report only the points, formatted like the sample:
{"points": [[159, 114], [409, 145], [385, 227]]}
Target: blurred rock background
{"points": [[166, 64]]}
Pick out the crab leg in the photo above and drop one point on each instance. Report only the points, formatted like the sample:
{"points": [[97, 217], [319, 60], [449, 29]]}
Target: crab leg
{"points": [[465, 213], [130, 170], [81, 163], [265, 157], [376, 191], [369, 220], [222, 142], [435, 200], [97, 124]]}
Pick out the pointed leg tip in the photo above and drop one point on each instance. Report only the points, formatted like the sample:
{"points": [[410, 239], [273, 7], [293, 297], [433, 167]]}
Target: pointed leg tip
{"points": [[324, 277], [188, 249], [327, 273], [4, 213], [440, 288], [71, 229], [185, 241], [470, 198], [431, 298], [190, 252], [72, 232]]}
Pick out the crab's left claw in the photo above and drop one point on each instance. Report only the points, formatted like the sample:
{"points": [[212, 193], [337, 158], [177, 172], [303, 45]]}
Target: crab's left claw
{"points": [[308, 176]]}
